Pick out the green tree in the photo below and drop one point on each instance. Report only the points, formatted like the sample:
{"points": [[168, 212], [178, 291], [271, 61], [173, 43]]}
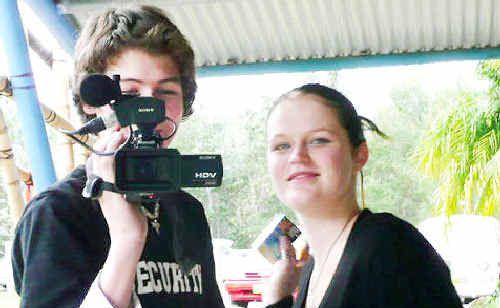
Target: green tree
{"points": [[461, 152], [245, 202], [392, 183]]}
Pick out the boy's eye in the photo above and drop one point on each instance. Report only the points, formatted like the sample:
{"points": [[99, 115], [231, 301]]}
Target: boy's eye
{"points": [[165, 92], [131, 92], [157, 92]]}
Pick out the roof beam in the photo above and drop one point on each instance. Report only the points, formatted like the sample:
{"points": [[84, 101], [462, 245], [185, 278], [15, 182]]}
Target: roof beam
{"points": [[50, 14], [335, 64]]}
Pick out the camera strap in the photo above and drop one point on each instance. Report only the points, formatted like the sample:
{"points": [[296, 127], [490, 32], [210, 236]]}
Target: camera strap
{"points": [[154, 215]]}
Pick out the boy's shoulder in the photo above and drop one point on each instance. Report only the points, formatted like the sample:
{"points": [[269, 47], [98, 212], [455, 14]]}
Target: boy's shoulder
{"points": [[62, 200]]}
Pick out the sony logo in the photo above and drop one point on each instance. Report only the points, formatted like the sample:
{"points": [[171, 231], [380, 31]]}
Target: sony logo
{"points": [[146, 110], [206, 157], [205, 175]]}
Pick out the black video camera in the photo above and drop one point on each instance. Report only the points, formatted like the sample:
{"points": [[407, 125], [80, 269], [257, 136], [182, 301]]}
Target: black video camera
{"points": [[141, 166]]}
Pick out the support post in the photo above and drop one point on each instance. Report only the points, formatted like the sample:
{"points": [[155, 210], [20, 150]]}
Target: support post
{"points": [[62, 30], [24, 93]]}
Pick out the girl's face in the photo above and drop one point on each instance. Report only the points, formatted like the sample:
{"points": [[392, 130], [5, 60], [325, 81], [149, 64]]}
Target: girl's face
{"points": [[145, 74], [310, 158]]}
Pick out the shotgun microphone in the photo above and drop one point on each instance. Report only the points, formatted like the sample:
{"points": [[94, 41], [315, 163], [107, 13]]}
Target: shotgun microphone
{"points": [[98, 90]]}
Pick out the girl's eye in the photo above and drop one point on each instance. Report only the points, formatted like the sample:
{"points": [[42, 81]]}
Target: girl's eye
{"points": [[281, 147], [320, 141]]}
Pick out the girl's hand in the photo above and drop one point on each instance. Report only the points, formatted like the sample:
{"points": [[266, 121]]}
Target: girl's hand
{"points": [[286, 273]]}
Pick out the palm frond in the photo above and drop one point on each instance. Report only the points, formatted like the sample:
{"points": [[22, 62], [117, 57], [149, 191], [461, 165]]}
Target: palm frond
{"points": [[461, 151]]}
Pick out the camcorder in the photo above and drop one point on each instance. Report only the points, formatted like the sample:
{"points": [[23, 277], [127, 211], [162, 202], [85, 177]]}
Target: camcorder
{"points": [[141, 166]]}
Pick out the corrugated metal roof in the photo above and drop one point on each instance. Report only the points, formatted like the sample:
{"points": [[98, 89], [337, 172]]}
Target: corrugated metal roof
{"points": [[247, 31]]}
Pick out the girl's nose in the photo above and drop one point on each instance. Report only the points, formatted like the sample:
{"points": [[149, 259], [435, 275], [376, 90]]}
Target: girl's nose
{"points": [[299, 154]]}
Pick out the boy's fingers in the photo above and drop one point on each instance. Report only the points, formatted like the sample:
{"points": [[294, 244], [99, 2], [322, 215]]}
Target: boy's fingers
{"points": [[116, 139]]}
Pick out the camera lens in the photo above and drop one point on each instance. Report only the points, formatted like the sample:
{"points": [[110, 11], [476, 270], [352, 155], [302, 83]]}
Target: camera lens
{"points": [[144, 170]]}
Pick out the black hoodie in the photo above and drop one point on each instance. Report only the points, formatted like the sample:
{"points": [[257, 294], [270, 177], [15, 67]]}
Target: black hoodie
{"points": [[62, 241]]}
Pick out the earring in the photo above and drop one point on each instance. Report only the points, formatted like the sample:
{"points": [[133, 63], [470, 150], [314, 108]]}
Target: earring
{"points": [[362, 191]]}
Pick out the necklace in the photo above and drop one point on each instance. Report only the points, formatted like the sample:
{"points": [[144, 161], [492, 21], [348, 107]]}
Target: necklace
{"points": [[312, 286], [153, 217]]}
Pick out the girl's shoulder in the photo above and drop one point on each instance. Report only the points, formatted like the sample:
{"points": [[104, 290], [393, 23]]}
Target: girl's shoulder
{"points": [[389, 231]]}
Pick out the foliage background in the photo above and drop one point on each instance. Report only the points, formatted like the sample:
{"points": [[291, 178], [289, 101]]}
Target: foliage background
{"points": [[245, 203], [460, 151]]}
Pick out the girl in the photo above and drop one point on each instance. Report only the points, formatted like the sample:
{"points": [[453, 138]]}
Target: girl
{"points": [[316, 149]]}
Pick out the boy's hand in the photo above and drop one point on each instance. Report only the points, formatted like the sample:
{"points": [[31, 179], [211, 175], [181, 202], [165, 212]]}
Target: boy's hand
{"points": [[126, 223]]}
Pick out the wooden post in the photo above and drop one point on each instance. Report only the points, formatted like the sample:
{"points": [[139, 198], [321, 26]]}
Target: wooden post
{"points": [[5, 86], [10, 174], [26, 177], [58, 122], [63, 152], [55, 120]]}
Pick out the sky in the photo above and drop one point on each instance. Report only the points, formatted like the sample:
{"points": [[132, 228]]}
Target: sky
{"points": [[367, 88]]}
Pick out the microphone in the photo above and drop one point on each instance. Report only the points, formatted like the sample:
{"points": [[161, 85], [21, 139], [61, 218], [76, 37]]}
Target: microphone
{"points": [[98, 124], [98, 90]]}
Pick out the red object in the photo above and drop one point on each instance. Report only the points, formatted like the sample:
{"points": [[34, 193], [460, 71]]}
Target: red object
{"points": [[27, 193], [245, 289]]}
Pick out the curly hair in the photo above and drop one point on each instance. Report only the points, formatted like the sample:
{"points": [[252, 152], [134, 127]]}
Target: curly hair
{"points": [[107, 35]]}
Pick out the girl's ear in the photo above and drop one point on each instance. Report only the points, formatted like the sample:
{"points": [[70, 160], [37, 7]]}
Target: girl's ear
{"points": [[89, 110], [360, 156]]}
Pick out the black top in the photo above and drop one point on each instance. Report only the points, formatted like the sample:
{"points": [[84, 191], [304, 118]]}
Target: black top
{"points": [[386, 263], [62, 241]]}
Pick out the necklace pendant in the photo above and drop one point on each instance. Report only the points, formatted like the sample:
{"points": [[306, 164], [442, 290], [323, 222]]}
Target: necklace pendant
{"points": [[156, 226], [152, 217]]}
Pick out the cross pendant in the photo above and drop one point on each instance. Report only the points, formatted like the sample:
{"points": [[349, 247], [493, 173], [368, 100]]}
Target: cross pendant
{"points": [[156, 226]]}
